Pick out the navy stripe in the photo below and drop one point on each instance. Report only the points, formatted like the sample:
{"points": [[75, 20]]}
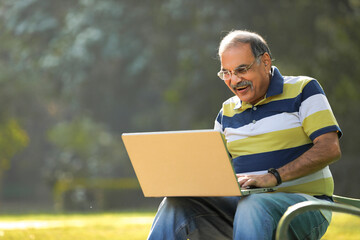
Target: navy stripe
{"points": [[264, 161], [324, 130], [276, 84], [312, 88], [272, 108], [238, 120], [219, 117]]}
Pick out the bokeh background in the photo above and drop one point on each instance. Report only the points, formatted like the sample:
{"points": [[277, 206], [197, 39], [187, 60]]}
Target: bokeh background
{"points": [[76, 74]]}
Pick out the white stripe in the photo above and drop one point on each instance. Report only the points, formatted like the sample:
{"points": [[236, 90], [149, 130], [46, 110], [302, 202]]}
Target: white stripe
{"points": [[312, 105], [273, 123], [293, 80], [254, 173], [322, 174], [234, 99], [217, 126]]}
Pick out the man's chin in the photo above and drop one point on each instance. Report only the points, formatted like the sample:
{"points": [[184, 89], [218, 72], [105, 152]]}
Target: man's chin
{"points": [[242, 97]]}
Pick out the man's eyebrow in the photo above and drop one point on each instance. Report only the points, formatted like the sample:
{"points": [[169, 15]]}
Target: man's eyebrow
{"points": [[240, 66]]}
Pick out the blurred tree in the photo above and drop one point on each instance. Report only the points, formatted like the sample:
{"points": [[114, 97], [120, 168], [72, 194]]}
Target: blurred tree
{"points": [[12, 139], [84, 150]]}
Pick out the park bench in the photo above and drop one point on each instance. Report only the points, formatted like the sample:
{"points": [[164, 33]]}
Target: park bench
{"points": [[341, 204]]}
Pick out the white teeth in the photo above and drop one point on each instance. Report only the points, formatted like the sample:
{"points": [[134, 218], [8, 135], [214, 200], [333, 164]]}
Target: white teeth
{"points": [[240, 88]]}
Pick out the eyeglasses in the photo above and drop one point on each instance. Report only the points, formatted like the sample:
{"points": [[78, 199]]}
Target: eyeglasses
{"points": [[239, 71]]}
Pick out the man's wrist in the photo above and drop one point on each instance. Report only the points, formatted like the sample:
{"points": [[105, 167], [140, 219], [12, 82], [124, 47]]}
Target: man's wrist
{"points": [[276, 174]]}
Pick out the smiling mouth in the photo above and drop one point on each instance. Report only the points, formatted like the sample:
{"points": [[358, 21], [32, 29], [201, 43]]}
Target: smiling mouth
{"points": [[242, 88]]}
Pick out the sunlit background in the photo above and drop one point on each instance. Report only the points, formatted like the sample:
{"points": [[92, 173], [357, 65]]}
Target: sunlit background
{"points": [[76, 74]]}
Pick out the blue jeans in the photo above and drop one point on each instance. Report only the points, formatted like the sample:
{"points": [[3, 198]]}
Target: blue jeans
{"points": [[252, 217]]}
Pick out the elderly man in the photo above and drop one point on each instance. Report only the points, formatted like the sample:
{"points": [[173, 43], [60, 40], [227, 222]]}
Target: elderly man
{"points": [[280, 131]]}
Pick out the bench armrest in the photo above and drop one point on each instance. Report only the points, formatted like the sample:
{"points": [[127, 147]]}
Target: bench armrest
{"points": [[293, 211]]}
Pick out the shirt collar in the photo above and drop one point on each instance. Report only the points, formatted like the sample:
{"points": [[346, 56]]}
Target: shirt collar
{"points": [[276, 86]]}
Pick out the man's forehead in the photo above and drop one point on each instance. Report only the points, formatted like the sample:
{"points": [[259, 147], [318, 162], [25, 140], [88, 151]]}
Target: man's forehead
{"points": [[236, 56]]}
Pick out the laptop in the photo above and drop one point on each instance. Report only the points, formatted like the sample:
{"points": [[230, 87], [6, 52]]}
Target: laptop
{"points": [[183, 163]]}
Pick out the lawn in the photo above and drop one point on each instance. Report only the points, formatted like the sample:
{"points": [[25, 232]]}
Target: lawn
{"points": [[119, 226], [109, 226]]}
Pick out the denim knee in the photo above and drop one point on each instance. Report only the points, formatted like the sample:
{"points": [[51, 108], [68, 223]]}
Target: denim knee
{"points": [[258, 216], [194, 218], [253, 220]]}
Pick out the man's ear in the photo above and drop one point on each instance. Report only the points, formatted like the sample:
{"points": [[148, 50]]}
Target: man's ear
{"points": [[266, 59]]}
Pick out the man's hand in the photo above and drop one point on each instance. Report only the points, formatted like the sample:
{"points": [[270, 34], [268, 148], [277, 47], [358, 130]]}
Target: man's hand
{"points": [[263, 180]]}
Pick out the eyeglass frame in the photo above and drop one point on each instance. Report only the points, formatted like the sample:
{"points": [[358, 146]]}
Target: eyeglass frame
{"points": [[243, 70]]}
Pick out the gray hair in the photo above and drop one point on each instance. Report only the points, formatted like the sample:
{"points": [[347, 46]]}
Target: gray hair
{"points": [[257, 43]]}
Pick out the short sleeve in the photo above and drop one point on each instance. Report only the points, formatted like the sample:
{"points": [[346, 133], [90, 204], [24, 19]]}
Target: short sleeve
{"points": [[315, 112]]}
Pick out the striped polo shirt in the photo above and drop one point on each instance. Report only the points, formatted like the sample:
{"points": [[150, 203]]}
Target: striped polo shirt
{"points": [[278, 129]]}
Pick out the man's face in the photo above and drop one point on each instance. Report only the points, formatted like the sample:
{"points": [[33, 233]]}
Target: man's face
{"points": [[251, 86]]}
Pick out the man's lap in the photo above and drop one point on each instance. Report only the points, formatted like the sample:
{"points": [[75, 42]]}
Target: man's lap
{"points": [[214, 217]]}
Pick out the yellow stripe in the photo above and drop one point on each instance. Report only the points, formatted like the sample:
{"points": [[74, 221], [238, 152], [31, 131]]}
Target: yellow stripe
{"points": [[323, 186], [269, 142], [318, 120], [291, 90], [229, 111]]}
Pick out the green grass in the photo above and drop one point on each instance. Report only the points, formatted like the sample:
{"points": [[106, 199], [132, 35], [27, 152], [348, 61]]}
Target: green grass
{"points": [[114, 226], [119, 226]]}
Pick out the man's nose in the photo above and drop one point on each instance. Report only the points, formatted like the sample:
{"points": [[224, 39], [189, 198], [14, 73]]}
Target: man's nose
{"points": [[235, 79]]}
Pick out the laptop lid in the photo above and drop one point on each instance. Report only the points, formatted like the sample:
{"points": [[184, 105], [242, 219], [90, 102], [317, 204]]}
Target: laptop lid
{"points": [[183, 163]]}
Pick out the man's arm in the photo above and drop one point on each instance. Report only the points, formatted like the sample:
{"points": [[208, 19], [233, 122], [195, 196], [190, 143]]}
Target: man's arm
{"points": [[326, 150]]}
